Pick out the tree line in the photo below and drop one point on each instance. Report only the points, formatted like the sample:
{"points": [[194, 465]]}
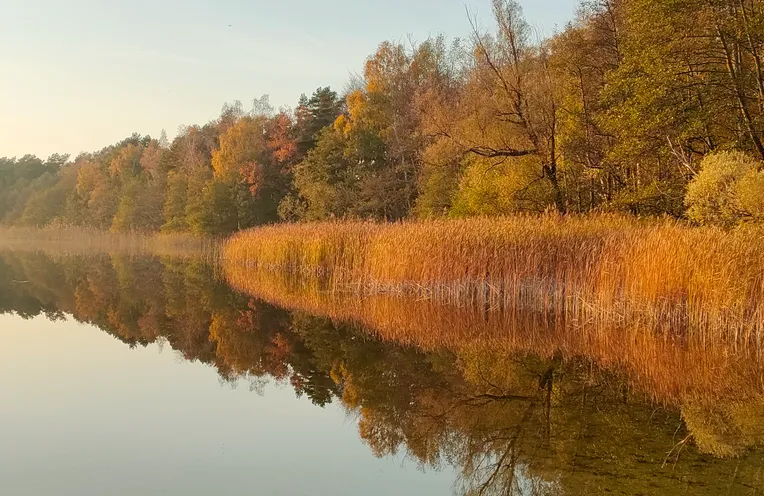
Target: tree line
{"points": [[643, 106]]}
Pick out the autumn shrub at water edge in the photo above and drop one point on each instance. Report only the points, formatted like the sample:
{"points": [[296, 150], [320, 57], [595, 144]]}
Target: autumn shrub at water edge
{"points": [[612, 267]]}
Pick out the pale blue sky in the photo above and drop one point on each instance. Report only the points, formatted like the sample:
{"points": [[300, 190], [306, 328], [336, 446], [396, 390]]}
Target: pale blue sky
{"points": [[77, 75]]}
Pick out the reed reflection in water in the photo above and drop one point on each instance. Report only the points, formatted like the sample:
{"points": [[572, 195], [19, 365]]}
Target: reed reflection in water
{"points": [[517, 402]]}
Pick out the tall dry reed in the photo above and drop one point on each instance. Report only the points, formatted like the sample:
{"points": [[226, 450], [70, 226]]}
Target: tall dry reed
{"points": [[693, 280], [72, 240]]}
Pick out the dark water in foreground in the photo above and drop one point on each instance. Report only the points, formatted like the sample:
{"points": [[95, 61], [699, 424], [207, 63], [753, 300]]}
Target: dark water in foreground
{"points": [[143, 376]]}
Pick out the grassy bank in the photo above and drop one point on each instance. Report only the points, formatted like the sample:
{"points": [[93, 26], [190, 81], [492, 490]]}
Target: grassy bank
{"points": [[604, 267], [65, 240]]}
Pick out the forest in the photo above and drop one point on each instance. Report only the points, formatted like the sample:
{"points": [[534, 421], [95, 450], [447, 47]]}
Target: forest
{"points": [[647, 107]]}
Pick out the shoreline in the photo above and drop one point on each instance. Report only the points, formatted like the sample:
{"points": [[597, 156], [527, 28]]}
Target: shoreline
{"points": [[692, 279], [76, 240]]}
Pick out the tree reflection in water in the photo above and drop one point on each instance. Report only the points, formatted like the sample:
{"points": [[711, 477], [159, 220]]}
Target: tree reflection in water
{"points": [[519, 403]]}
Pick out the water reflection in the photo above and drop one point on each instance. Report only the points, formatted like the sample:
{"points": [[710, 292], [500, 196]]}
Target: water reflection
{"points": [[518, 404]]}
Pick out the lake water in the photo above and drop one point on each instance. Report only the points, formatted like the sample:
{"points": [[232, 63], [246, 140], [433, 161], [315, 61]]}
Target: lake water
{"points": [[126, 375]]}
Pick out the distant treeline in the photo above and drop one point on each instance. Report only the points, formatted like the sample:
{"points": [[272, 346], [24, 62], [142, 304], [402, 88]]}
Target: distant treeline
{"points": [[618, 111]]}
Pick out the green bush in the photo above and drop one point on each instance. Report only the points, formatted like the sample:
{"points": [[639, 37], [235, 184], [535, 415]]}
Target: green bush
{"points": [[750, 195], [500, 188], [728, 190]]}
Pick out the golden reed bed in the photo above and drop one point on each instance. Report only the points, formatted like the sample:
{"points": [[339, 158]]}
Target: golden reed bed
{"points": [[678, 310], [608, 268]]}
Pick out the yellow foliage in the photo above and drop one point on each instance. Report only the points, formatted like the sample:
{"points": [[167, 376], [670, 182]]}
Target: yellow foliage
{"points": [[750, 195], [727, 190], [500, 188], [340, 122], [127, 162], [242, 144]]}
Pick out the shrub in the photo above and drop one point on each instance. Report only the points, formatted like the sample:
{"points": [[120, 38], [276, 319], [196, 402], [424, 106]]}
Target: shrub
{"points": [[490, 188], [750, 195], [727, 190]]}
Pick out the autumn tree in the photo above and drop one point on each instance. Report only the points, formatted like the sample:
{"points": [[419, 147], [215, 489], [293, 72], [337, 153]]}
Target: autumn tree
{"points": [[174, 207], [503, 113], [254, 161], [367, 164], [24, 178], [48, 204], [583, 57]]}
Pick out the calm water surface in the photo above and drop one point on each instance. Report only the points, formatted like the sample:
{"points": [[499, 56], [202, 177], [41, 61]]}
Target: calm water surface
{"points": [[140, 376]]}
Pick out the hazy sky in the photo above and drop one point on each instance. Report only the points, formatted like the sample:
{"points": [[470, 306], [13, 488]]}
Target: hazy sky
{"points": [[77, 75]]}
